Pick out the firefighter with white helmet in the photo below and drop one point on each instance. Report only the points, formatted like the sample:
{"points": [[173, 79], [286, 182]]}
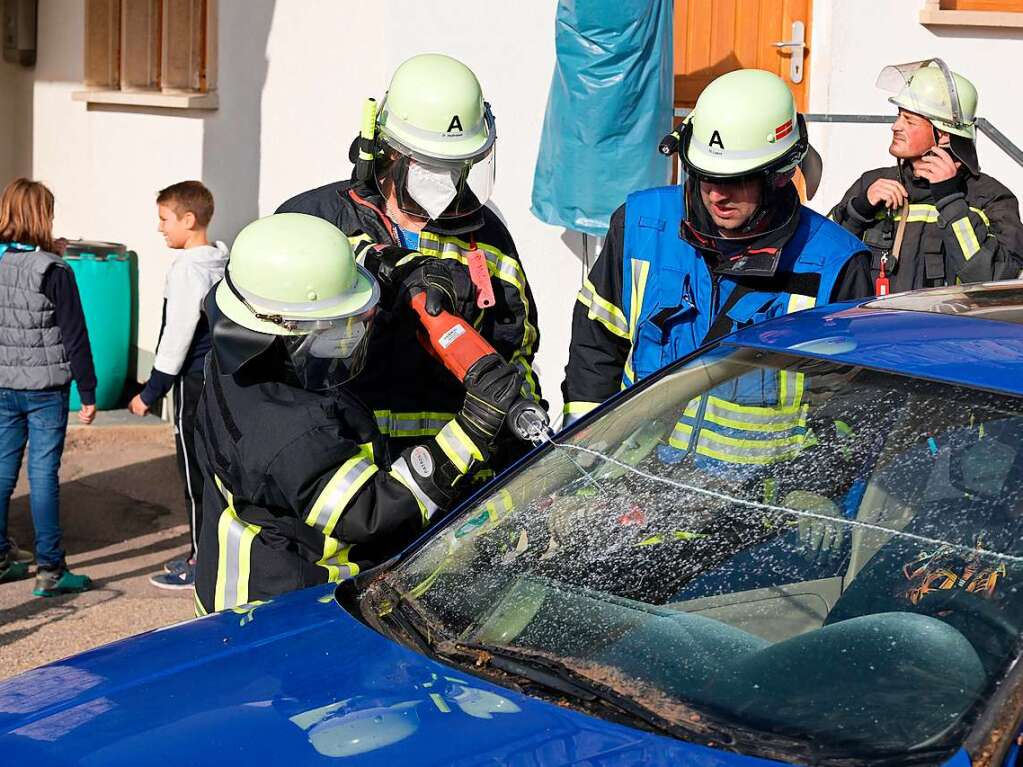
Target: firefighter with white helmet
{"points": [[301, 488], [933, 219], [424, 169], [732, 246]]}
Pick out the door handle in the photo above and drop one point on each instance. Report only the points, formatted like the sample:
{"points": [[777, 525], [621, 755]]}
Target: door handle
{"points": [[797, 46]]}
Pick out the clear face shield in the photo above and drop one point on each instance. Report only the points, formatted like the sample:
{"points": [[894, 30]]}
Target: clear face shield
{"points": [[324, 352], [934, 103], [439, 188]]}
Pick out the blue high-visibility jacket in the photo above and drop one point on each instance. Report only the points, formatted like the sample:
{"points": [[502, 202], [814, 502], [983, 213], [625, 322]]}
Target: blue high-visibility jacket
{"points": [[669, 299]]}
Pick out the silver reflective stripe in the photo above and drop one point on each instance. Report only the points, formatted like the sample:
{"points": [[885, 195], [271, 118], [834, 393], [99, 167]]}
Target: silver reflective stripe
{"points": [[339, 491], [614, 322], [769, 419], [457, 446], [233, 535], [401, 468], [771, 150], [411, 424]]}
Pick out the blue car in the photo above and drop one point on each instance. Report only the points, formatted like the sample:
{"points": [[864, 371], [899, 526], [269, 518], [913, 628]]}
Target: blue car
{"points": [[803, 544]]}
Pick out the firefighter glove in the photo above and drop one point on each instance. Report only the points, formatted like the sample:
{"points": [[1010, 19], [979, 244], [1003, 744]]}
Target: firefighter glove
{"points": [[491, 388], [447, 285]]}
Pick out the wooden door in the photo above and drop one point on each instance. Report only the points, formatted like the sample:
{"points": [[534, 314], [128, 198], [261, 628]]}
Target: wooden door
{"points": [[713, 37]]}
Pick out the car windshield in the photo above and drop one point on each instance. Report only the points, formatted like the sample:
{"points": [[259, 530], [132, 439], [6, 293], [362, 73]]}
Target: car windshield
{"points": [[818, 553]]}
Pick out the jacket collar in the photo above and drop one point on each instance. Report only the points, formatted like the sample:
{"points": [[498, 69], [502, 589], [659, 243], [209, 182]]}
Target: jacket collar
{"points": [[369, 196]]}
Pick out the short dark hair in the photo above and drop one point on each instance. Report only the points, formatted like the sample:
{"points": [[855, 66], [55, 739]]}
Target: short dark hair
{"points": [[188, 197]]}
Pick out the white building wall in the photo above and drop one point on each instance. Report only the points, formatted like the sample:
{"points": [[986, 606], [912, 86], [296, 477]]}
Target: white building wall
{"points": [[312, 106], [292, 79], [852, 41]]}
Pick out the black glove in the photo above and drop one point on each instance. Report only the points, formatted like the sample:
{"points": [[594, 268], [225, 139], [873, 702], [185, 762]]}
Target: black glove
{"points": [[382, 263], [491, 387], [447, 285]]}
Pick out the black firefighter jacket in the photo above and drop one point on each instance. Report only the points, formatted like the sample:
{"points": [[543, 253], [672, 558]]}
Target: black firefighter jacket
{"points": [[299, 488], [965, 230], [411, 394]]}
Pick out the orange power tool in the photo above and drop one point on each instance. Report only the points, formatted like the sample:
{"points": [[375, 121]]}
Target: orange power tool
{"points": [[459, 346]]}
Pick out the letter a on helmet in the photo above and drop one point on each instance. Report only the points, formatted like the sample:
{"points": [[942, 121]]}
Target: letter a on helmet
{"points": [[436, 135]]}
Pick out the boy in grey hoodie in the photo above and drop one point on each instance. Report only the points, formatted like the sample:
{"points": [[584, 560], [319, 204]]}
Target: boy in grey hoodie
{"points": [[185, 210]]}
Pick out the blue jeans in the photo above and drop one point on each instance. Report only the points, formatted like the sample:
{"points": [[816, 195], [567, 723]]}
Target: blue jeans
{"points": [[40, 419]]}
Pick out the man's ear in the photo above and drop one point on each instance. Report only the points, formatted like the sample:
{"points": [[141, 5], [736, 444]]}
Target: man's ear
{"points": [[942, 139], [188, 220]]}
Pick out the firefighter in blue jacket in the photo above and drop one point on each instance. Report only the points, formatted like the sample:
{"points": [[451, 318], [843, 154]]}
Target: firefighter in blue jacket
{"points": [[733, 246]]}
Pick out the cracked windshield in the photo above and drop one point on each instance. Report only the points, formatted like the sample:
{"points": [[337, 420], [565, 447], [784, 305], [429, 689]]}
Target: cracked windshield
{"points": [[761, 544]]}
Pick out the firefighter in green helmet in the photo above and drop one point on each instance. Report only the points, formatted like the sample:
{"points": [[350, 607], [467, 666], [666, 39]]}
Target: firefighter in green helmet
{"points": [[301, 488], [424, 168], [732, 245], [933, 218]]}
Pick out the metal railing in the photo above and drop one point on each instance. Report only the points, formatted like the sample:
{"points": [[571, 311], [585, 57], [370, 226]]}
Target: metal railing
{"points": [[984, 125]]}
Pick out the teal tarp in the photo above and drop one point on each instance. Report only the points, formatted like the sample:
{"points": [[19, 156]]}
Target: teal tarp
{"points": [[609, 106]]}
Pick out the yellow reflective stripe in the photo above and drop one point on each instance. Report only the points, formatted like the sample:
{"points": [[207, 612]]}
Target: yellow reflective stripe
{"points": [[499, 505], [359, 244], [640, 271], [200, 611], [798, 303], [733, 407], [924, 213], [603, 311], [506, 269], [790, 391], [339, 491], [234, 537], [966, 237], [741, 451], [579, 408], [783, 421], [457, 446], [335, 560], [411, 424]]}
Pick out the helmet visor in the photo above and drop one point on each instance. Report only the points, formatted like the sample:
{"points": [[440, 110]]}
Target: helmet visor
{"points": [[332, 352], [439, 189], [897, 78], [727, 215]]}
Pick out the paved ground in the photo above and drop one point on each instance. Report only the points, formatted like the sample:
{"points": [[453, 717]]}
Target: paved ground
{"points": [[122, 514]]}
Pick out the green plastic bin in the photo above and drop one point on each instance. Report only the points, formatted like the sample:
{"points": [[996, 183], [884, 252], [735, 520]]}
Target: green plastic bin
{"points": [[103, 271]]}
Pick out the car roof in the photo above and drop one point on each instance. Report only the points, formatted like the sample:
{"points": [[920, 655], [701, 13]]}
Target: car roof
{"points": [[967, 335]]}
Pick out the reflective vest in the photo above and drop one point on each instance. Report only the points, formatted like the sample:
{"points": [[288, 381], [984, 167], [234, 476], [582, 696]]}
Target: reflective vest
{"points": [[667, 294]]}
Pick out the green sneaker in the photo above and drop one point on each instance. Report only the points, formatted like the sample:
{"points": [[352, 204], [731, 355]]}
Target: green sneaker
{"points": [[51, 583], [12, 570]]}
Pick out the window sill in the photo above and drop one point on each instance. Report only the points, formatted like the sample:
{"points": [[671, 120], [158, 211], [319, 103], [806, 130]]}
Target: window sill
{"points": [[149, 99], [997, 19]]}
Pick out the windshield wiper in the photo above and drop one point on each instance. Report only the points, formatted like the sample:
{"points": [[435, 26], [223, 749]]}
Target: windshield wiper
{"points": [[559, 677]]}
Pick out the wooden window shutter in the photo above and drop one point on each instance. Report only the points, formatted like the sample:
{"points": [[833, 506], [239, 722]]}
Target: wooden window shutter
{"points": [[189, 46], [103, 43], [140, 44]]}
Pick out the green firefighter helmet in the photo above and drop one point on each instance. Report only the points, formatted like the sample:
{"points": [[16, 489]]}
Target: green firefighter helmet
{"points": [[294, 276], [744, 122], [436, 137], [434, 106], [930, 89]]}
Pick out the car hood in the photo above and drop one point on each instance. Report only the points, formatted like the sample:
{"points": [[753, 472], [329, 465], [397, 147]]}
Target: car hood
{"points": [[298, 679]]}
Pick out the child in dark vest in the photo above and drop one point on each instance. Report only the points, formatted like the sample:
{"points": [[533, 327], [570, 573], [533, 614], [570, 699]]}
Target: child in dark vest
{"points": [[43, 345], [184, 210]]}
